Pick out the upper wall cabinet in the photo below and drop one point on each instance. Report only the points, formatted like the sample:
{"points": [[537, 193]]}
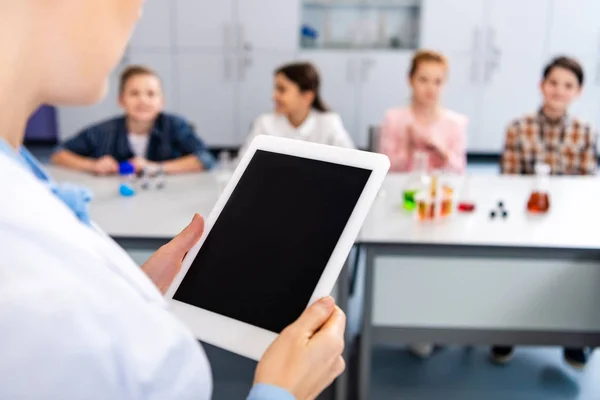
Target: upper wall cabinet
{"points": [[360, 24], [154, 29], [268, 25], [574, 27], [204, 24], [452, 26]]}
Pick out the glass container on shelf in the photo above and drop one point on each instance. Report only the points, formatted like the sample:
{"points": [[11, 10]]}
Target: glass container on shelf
{"points": [[419, 180], [539, 199], [361, 24]]}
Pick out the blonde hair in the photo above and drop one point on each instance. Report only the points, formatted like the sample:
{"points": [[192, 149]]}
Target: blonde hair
{"points": [[424, 56]]}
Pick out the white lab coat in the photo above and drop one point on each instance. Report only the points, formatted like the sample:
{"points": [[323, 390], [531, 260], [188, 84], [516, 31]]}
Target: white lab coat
{"points": [[78, 319], [319, 127]]}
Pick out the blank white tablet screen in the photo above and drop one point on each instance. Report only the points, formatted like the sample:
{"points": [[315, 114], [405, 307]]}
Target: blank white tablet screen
{"points": [[266, 252]]}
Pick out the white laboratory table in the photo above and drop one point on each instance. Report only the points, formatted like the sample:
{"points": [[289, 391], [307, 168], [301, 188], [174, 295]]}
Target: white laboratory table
{"points": [[476, 280], [144, 222], [151, 214]]}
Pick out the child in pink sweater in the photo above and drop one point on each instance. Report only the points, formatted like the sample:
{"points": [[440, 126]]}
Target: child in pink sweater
{"points": [[425, 125]]}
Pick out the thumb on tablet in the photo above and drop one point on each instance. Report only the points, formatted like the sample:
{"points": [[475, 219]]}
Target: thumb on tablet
{"points": [[188, 237], [315, 316]]}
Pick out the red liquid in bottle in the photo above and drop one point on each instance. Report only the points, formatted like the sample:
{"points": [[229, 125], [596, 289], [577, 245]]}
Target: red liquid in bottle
{"points": [[538, 203]]}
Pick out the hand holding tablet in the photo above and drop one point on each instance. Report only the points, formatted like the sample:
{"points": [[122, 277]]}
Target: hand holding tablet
{"points": [[307, 356], [275, 242]]}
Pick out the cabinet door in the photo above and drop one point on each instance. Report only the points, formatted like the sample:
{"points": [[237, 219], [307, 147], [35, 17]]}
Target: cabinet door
{"points": [[339, 71], [574, 27], [255, 74], [281, 32], [384, 84], [463, 92], [452, 26], [204, 23], [153, 31], [514, 58], [206, 87]]}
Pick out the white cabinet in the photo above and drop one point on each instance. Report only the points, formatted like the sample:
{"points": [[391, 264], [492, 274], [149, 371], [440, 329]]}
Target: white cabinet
{"points": [[206, 89], [383, 85], [204, 23], [256, 85], [339, 71], [269, 24], [362, 86], [452, 26], [575, 31], [153, 31], [514, 58], [463, 91], [574, 27]]}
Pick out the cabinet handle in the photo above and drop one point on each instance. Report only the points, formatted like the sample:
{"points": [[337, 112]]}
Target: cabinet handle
{"points": [[598, 73], [365, 67], [475, 55], [227, 35], [244, 62], [240, 36], [350, 70], [227, 69], [493, 55]]}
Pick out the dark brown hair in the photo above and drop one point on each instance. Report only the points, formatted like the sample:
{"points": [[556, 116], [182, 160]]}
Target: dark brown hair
{"points": [[131, 71], [306, 76], [423, 56], [567, 63]]}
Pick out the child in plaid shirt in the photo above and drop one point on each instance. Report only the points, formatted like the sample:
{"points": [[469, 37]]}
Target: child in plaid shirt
{"points": [[560, 140], [552, 136]]}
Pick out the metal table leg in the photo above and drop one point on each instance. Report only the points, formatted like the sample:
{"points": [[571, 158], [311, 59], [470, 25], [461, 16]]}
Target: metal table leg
{"points": [[364, 362]]}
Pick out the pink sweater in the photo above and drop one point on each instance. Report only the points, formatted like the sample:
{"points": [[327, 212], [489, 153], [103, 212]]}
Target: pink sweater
{"points": [[399, 145]]}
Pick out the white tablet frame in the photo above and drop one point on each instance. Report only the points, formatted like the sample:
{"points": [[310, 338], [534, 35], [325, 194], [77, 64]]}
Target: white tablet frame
{"points": [[245, 339]]}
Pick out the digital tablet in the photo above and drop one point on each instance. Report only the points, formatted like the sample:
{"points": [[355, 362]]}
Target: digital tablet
{"points": [[275, 242]]}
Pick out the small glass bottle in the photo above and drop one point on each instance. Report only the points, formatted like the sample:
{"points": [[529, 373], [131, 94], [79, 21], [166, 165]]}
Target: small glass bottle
{"points": [[224, 170], [539, 200], [418, 181]]}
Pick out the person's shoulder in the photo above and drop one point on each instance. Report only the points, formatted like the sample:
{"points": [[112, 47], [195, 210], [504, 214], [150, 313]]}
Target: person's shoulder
{"points": [[518, 124], [268, 121], [328, 118], [269, 118], [582, 124], [396, 113], [105, 126], [456, 118], [170, 121]]}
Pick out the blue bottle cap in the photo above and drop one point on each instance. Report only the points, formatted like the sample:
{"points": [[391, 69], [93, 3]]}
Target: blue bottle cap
{"points": [[126, 168]]}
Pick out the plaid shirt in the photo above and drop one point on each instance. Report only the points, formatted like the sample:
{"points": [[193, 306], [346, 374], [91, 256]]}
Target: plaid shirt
{"points": [[567, 145], [171, 137]]}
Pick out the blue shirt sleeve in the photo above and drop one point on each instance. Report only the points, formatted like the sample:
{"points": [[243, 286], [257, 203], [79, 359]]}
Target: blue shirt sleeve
{"points": [[81, 144], [188, 142], [269, 392]]}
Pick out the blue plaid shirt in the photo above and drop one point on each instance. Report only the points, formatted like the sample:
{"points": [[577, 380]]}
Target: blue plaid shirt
{"points": [[171, 137]]}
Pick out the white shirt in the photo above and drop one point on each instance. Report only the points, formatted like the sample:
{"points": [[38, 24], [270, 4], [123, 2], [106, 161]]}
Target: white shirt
{"points": [[318, 127], [79, 319], [138, 144]]}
